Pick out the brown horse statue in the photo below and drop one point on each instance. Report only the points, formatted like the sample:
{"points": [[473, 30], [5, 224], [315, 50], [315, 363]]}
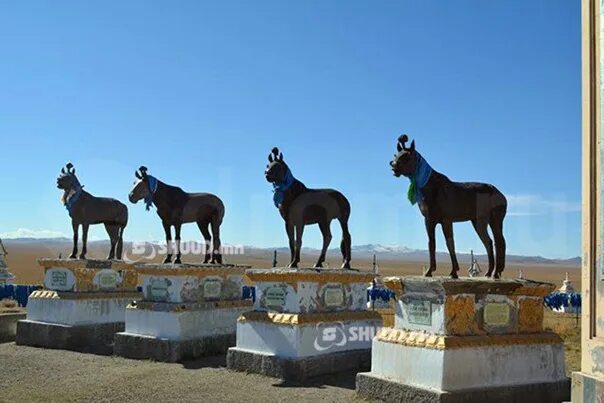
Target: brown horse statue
{"points": [[300, 206], [176, 207], [86, 209], [442, 201]]}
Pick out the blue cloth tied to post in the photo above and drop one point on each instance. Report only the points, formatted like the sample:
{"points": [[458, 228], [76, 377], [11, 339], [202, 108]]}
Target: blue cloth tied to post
{"points": [[418, 179], [152, 183], [280, 188], [71, 201]]}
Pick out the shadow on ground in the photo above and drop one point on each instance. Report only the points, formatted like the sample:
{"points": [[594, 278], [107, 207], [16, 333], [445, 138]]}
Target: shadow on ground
{"points": [[344, 380], [215, 361]]}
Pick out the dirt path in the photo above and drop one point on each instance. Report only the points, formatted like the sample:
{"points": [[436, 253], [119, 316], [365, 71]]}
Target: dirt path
{"points": [[35, 374]]}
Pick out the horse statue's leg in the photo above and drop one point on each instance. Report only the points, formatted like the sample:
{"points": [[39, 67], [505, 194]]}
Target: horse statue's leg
{"points": [[430, 229], [177, 239], [120, 242], [205, 232], [447, 227], [326, 232], [216, 252], [84, 241], [112, 231], [299, 229], [496, 223], [289, 228], [483, 233], [168, 232], [345, 245], [74, 252]]}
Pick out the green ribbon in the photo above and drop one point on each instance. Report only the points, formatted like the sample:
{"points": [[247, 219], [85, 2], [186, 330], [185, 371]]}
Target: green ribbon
{"points": [[411, 193]]}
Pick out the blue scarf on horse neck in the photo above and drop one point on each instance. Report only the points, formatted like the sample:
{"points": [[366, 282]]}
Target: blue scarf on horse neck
{"points": [[418, 180], [152, 183], [71, 201], [280, 188]]}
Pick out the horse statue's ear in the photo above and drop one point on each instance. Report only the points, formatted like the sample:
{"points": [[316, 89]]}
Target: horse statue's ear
{"points": [[143, 170], [137, 175], [399, 147], [270, 158], [401, 143], [281, 157], [63, 170], [70, 168]]}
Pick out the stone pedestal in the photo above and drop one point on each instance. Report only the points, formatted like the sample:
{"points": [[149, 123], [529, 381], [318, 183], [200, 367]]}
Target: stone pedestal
{"points": [[466, 340], [82, 306], [8, 324], [187, 311], [306, 322]]}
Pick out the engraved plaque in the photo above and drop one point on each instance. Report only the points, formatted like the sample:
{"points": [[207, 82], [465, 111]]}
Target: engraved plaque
{"points": [[333, 296], [419, 312], [212, 287], [107, 279], [496, 314], [158, 289], [59, 279], [275, 296]]}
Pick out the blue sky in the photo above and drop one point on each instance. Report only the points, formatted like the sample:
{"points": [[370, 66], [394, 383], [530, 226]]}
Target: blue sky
{"points": [[199, 92]]}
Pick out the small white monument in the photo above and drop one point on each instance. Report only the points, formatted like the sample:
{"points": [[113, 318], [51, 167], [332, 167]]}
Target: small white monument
{"points": [[567, 288], [466, 340], [187, 311], [305, 322], [81, 307], [474, 269]]}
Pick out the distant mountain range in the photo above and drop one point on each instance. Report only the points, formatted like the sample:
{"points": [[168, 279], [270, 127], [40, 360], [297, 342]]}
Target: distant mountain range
{"points": [[383, 252]]}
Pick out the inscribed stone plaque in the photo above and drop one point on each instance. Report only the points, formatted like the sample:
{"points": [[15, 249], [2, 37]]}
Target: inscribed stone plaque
{"points": [[59, 279], [275, 296], [107, 279], [334, 296], [419, 312], [158, 289], [212, 288], [496, 314]]}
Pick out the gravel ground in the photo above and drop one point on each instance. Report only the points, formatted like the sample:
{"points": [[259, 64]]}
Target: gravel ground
{"points": [[36, 374]]}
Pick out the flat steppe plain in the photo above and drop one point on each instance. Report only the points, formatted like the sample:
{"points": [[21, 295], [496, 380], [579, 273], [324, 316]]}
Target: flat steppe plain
{"points": [[22, 262]]}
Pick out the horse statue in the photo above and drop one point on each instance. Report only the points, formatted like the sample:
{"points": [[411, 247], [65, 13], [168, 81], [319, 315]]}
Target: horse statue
{"points": [[176, 207], [86, 209], [442, 201], [300, 206]]}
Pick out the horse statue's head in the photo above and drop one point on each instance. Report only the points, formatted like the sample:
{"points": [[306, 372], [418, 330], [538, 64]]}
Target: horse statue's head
{"points": [[405, 159], [277, 170], [68, 180], [144, 187]]}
